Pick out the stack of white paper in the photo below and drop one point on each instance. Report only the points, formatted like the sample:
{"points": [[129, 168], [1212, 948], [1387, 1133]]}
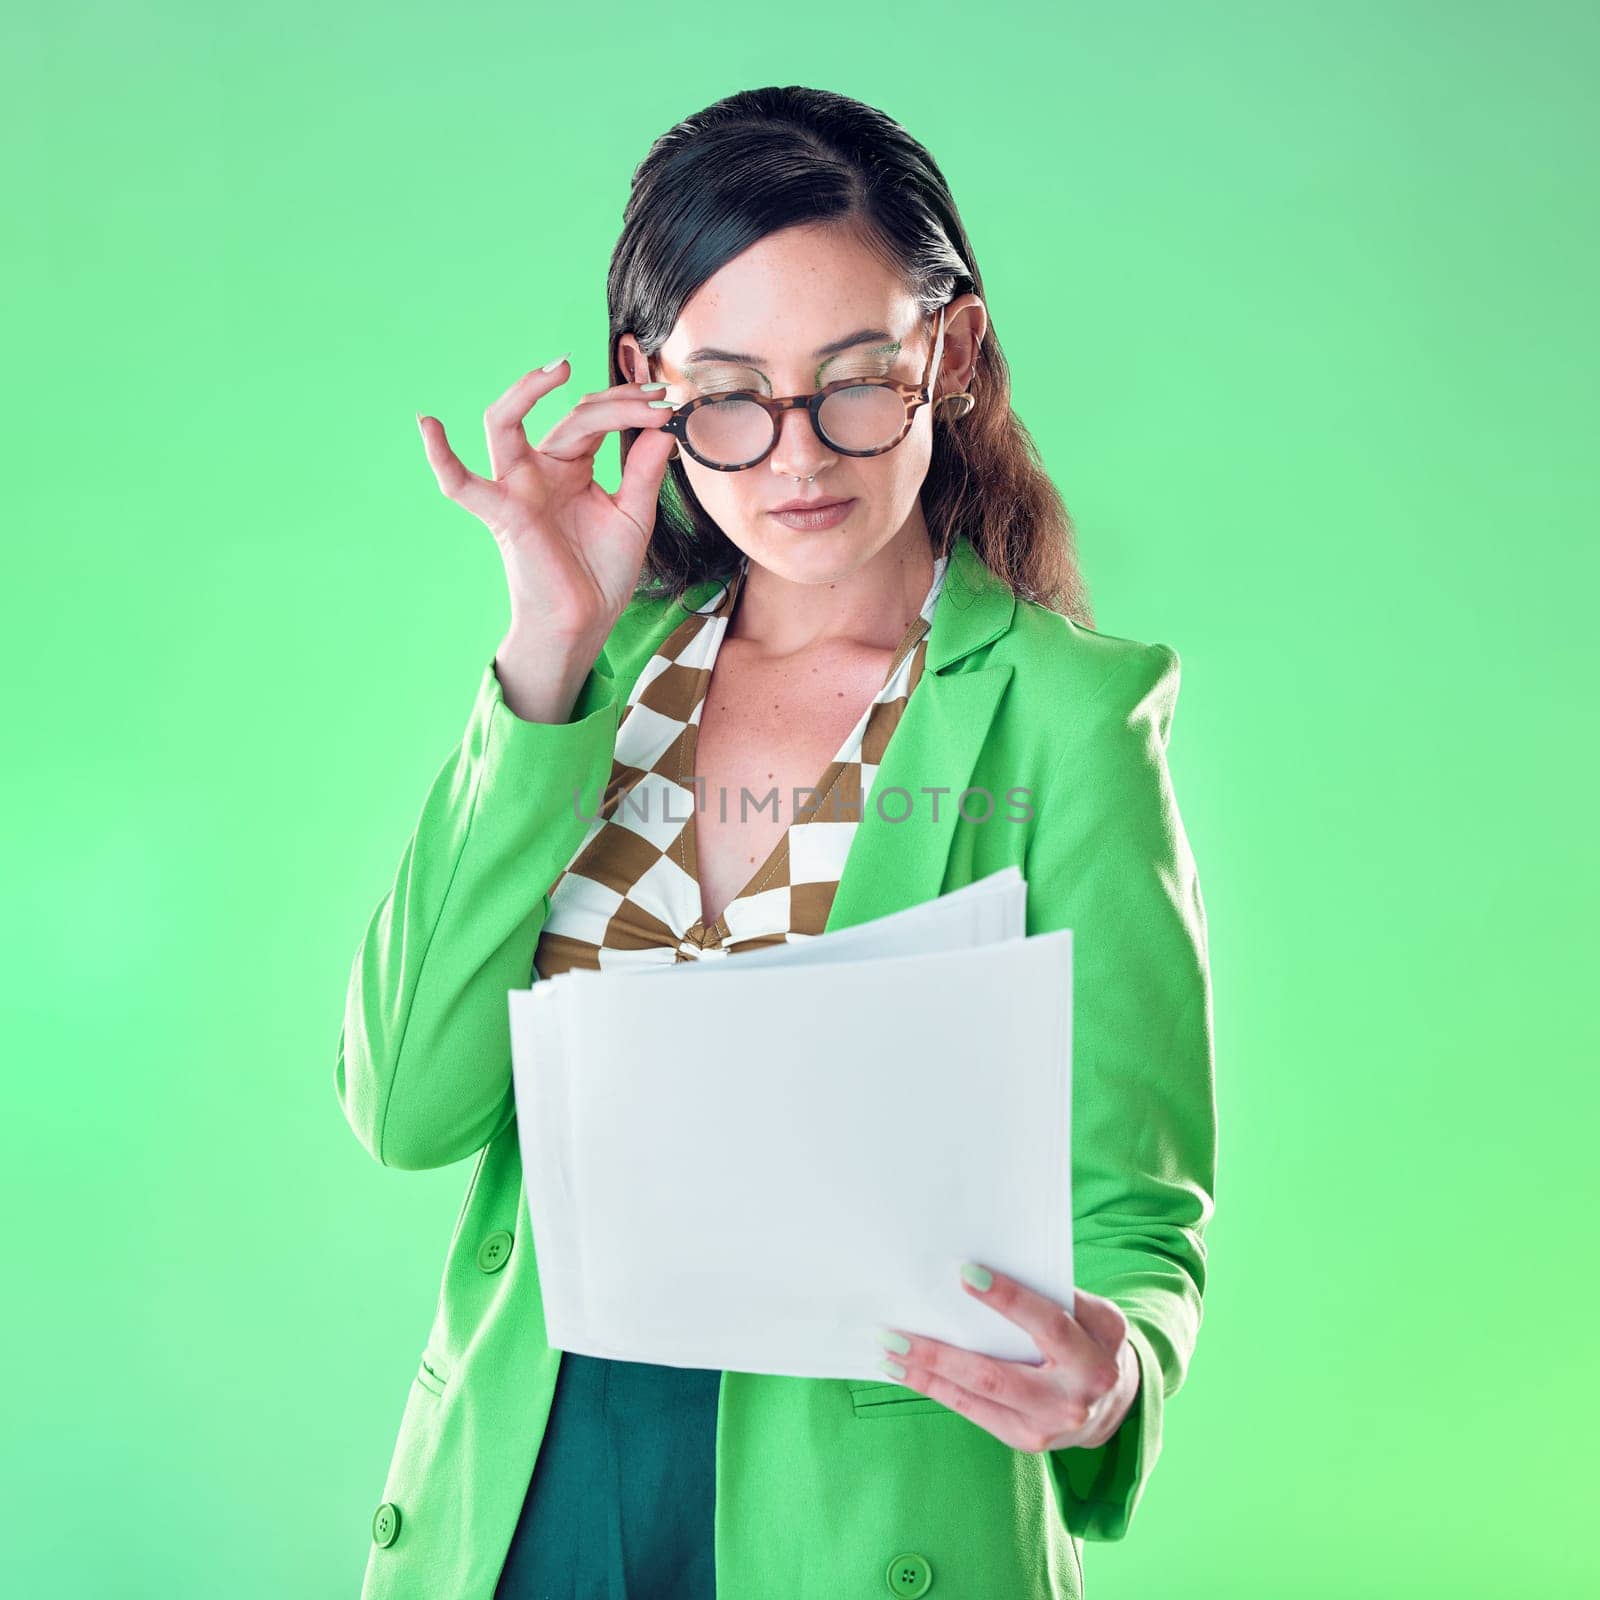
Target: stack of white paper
{"points": [[753, 1169]]}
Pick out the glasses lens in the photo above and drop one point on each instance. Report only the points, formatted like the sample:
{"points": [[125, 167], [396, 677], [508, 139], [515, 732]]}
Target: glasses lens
{"points": [[865, 416], [729, 432], [735, 432]]}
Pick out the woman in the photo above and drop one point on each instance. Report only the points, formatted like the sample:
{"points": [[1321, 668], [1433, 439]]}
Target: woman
{"points": [[796, 321]]}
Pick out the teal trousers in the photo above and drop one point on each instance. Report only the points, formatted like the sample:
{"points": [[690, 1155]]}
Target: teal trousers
{"points": [[622, 1500]]}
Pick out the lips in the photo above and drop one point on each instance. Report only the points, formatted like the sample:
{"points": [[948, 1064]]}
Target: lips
{"points": [[811, 505]]}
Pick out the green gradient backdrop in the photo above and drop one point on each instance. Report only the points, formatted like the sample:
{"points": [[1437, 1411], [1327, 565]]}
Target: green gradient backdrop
{"points": [[1295, 298]]}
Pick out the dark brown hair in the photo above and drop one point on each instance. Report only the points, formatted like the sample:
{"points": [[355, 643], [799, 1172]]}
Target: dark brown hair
{"points": [[767, 159]]}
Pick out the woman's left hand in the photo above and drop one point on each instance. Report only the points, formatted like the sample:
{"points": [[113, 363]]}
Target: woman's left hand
{"points": [[1079, 1396]]}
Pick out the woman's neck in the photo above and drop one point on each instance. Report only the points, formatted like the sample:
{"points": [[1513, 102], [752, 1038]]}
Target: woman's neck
{"points": [[869, 608]]}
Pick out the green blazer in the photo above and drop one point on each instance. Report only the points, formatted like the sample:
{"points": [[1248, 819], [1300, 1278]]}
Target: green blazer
{"points": [[826, 1488]]}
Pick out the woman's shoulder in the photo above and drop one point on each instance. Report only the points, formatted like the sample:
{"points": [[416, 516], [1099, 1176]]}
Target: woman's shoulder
{"points": [[1061, 666], [1084, 698]]}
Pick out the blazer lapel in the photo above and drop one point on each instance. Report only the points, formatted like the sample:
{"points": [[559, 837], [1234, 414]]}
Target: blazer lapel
{"points": [[895, 863]]}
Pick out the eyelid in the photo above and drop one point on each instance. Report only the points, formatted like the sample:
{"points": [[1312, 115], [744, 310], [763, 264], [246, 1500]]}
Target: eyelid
{"points": [[711, 373], [883, 354]]}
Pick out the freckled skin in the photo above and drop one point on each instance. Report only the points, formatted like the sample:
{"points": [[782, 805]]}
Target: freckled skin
{"points": [[776, 728]]}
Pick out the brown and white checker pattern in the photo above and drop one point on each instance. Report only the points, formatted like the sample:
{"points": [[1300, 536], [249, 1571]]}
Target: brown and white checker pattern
{"points": [[629, 895]]}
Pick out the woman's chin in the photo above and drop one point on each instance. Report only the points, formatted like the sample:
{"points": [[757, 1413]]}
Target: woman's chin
{"points": [[823, 555]]}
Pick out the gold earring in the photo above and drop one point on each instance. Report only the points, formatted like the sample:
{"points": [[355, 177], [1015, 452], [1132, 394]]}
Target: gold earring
{"points": [[964, 400]]}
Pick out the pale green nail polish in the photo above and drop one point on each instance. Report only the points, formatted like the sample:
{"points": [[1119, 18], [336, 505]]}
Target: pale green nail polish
{"points": [[652, 386], [977, 1276], [891, 1340], [893, 1368], [670, 405], [550, 366]]}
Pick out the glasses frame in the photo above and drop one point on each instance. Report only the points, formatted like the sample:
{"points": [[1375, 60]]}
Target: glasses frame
{"points": [[913, 395]]}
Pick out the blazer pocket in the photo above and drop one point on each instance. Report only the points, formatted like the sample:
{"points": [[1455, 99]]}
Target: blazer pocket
{"points": [[874, 1401], [432, 1374]]}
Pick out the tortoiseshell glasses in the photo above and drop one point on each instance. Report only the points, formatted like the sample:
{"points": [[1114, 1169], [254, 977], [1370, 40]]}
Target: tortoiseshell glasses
{"points": [[854, 417]]}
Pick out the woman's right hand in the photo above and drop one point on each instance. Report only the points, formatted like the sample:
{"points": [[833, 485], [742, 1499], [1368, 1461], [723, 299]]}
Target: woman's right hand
{"points": [[572, 551]]}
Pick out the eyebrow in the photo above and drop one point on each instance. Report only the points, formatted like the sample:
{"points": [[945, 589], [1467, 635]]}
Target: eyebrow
{"points": [[744, 359]]}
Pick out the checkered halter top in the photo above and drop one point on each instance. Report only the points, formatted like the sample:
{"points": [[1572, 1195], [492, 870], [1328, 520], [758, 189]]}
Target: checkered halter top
{"points": [[630, 895]]}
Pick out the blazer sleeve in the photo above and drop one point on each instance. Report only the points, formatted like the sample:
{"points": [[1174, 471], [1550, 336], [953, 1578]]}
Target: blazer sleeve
{"points": [[424, 1060], [1110, 860]]}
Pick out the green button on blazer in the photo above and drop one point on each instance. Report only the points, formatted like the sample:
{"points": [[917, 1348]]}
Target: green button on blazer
{"points": [[826, 1488]]}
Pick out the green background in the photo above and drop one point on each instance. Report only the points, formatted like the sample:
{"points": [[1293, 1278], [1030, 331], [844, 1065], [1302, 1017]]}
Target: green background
{"points": [[1299, 300]]}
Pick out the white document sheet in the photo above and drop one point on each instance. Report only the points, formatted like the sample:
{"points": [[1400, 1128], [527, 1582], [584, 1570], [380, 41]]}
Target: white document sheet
{"points": [[752, 1171]]}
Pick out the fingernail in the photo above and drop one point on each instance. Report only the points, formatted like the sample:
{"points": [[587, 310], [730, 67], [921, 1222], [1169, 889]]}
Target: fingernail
{"points": [[667, 403], [891, 1340], [977, 1276], [550, 366], [893, 1368], [652, 385]]}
